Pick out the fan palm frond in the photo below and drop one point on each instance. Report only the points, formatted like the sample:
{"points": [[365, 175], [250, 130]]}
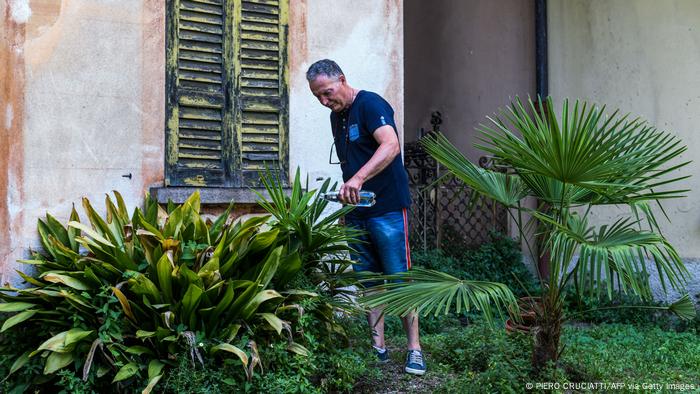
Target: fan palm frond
{"points": [[619, 250], [504, 188], [618, 159], [683, 308], [428, 291]]}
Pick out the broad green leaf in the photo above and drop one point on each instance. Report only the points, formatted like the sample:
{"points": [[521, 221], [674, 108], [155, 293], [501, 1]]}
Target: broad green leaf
{"points": [[259, 298], [56, 361], [20, 362], [15, 306], [138, 350], [124, 302], [140, 284], [64, 342], [224, 303], [289, 266], [16, 319], [298, 349], [123, 212], [269, 267], [165, 280], [29, 279], [231, 332], [91, 233], [264, 240], [216, 228], [152, 382], [126, 372], [227, 347], [275, 322], [75, 335], [73, 232], [77, 300], [190, 301], [66, 280], [155, 367], [145, 334]]}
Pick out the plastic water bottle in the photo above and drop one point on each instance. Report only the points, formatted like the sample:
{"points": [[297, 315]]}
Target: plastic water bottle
{"points": [[367, 198]]}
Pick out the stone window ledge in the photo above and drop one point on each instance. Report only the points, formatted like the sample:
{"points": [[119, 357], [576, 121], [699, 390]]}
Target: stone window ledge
{"points": [[208, 195]]}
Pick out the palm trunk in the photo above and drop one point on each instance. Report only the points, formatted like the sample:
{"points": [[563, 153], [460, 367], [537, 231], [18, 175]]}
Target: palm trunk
{"points": [[547, 334]]}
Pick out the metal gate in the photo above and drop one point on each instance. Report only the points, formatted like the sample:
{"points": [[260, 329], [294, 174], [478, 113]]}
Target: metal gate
{"points": [[441, 216]]}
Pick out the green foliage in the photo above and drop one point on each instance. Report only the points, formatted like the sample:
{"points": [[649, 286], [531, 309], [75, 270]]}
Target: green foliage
{"points": [[626, 309], [638, 354], [571, 164], [479, 359], [115, 299], [328, 368], [408, 291], [498, 260]]}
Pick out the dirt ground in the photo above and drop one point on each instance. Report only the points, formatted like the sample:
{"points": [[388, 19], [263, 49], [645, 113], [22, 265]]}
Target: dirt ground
{"points": [[394, 380]]}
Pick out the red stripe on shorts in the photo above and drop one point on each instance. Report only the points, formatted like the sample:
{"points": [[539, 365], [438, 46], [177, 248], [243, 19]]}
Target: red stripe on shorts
{"points": [[405, 233]]}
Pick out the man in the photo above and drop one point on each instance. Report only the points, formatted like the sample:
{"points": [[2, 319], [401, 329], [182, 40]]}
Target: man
{"points": [[367, 144]]}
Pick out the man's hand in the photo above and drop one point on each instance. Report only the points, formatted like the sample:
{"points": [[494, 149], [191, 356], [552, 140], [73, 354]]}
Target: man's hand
{"points": [[350, 191]]}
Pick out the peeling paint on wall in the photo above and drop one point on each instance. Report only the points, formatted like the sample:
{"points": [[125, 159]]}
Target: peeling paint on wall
{"points": [[12, 136], [152, 94], [8, 116], [20, 11]]}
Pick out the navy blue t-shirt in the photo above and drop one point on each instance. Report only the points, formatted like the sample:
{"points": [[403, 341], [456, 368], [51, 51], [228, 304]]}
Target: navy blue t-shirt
{"points": [[353, 131]]}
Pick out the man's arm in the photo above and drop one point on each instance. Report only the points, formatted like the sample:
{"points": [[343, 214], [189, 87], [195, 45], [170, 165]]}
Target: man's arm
{"points": [[386, 152]]}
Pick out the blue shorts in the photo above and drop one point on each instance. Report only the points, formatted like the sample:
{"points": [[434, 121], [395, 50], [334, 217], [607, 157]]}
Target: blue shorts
{"points": [[385, 248]]}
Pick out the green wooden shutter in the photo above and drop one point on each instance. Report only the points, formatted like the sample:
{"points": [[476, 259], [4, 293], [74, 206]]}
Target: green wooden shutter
{"points": [[199, 60], [227, 103], [261, 110]]}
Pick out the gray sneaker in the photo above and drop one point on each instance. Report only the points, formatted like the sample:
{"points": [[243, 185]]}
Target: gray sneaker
{"points": [[415, 364]]}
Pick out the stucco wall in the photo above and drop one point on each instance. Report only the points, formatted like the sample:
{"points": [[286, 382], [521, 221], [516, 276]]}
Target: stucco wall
{"points": [[365, 37], [466, 59], [641, 56], [87, 110], [83, 87]]}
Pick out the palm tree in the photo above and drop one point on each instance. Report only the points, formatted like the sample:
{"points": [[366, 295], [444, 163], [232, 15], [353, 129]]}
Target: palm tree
{"points": [[571, 166]]}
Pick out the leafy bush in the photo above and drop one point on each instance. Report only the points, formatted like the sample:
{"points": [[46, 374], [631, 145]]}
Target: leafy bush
{"points": [[120, 299], [328, 368], [499, 260]]}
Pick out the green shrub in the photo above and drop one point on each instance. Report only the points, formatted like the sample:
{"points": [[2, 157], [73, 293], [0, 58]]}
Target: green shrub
{"points": [[115, 300], [498, 260]]}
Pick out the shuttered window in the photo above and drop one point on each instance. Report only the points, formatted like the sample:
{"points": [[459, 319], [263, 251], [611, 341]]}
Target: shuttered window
{"points": [[227, 102]]}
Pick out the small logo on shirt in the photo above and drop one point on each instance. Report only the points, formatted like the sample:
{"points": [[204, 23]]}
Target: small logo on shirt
{"points": [[354, 132], [381, 118]]}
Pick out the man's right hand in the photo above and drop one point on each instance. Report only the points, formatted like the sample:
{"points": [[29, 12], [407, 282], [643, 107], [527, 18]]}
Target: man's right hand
{"points": [[350, 191]]}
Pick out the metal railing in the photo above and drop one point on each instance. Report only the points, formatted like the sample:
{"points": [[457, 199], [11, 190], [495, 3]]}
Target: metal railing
{"points": [[444, 215]]}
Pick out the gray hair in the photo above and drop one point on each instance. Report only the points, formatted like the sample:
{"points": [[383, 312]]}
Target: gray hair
{"points": [[326, 67]]}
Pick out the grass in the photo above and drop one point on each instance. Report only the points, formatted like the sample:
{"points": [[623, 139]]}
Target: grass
{"points": [[475, 359]]}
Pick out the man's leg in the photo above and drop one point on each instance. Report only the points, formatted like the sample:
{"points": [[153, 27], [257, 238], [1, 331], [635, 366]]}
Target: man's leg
{"points": [[376, 324], [389, 235], [366, 259], [410, 325]]}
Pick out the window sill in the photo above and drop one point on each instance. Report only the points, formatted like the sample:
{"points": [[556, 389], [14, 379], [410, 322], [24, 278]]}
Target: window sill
{"points": [[208, 195]]}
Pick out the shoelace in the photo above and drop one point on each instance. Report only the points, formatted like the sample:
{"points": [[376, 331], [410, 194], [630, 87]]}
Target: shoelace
{"points": [[415, 357]]}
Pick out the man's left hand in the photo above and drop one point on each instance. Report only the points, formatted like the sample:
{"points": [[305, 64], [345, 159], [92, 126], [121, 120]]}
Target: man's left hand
{"points": [[350, 191]]}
